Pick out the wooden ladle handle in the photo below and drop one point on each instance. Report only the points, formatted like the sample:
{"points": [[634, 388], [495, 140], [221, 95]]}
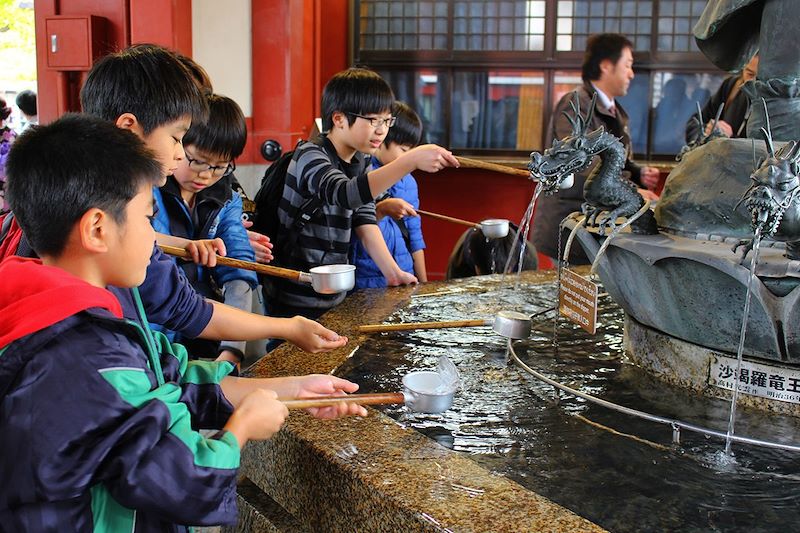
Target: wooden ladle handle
{"points": [[449, 219], [378, 328], [466, 162], [278, 272], [361, 399]]}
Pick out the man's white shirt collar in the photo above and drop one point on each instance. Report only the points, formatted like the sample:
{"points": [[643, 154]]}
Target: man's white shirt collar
{"points": [[607, 102]]}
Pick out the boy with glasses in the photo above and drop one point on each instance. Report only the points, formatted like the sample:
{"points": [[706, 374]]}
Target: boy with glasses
{"points": [[328, 181], [198, 203]]}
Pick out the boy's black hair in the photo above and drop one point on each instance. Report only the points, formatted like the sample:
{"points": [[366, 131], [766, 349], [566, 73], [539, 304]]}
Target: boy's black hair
{"points": [[26, 102], [599, 47], [59, 171], [146, 80], [355, 90], [407, 129], [198, 73], [224, 134]]}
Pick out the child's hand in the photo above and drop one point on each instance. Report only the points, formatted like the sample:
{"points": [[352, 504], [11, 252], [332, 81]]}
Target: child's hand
{"points": [[312, 336], [401, 277], [260, 244], [431, 158], [650, 177], [204, 252], [397, 208], [648, 195], [259, 416], [324, 385]]}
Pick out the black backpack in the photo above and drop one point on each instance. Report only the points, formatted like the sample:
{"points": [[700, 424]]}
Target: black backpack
{"points": [[268, 199]]}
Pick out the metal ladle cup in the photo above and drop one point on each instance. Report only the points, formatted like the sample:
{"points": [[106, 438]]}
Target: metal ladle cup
{"points": [[423, 392], [492, 228]]}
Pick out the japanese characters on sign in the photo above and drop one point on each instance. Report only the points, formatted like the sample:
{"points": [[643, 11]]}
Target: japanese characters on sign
{"points": [[756, 379]]}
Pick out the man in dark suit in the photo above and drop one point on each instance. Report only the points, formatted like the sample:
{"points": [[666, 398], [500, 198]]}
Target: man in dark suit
{"points": [[607, 71], [737, 105]]}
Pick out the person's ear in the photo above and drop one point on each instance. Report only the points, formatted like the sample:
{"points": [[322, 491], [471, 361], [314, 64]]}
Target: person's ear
{"points": [[93, 230], [606, 66], [128, 121], [339, 120]]}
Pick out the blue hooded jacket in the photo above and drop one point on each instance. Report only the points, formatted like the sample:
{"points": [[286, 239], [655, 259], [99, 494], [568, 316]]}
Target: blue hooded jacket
{"points": [[217, 214], [368, 274]]}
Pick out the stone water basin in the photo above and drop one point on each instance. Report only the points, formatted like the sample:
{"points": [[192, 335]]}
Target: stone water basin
{"points": [[374, 474], [506, 457]]}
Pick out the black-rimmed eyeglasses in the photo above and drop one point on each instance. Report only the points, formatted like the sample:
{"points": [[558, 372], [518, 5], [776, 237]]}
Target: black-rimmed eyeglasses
{"points": [[376, 122], [217, 171]]}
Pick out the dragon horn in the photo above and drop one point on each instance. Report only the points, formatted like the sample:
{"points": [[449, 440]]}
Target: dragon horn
{"points": [[719, 113], [591, 109], [571, 122], [575, 121], [768, 131]]}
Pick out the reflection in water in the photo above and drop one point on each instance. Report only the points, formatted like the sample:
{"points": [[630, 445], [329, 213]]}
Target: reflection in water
{"points": [[508, 423]]}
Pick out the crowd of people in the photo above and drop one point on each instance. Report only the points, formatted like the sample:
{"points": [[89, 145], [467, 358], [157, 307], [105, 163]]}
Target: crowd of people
{"points": [[125, 353]]}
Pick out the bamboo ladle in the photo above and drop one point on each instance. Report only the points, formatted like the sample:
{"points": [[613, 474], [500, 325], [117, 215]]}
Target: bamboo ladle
{"points": [[325, 279], [509, 324], [382, 398], [492, 228], [466, 162]]}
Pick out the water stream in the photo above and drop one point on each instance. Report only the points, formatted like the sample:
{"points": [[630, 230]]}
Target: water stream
{"points": [[524, 228], [508, 422], [751, 278]]}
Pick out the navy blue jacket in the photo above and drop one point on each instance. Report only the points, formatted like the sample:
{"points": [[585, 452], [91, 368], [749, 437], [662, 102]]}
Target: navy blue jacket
{"points": [[98, 415]]}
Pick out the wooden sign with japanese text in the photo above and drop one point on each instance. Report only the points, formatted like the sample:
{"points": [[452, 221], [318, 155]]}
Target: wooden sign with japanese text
{"points": [[577, 300]]}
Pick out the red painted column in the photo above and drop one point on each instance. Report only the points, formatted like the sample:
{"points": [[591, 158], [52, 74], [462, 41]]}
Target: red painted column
{"points": [[168, 23], [297, 45]]}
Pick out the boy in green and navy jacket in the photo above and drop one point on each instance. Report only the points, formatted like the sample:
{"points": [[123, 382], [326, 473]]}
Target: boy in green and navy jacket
{"points": [[98, 414]]}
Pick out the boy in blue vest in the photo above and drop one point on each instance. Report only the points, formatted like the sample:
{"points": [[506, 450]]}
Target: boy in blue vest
{"points": [[396, 208], [333, 175], [99, 414]]}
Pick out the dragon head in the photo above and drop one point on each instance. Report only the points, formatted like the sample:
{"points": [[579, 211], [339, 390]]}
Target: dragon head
{"points": [[775, 187], [555, 168]]}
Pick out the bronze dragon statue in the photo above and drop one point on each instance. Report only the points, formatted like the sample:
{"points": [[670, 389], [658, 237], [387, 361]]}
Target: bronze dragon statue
{"points": [[773, 198], [605, 190]]}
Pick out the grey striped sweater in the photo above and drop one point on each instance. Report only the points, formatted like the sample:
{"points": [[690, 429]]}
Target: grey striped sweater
{"points": [[325, 239]]}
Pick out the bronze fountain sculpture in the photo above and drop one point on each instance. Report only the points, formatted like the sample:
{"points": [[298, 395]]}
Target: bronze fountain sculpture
{"points": [[682, 286]]}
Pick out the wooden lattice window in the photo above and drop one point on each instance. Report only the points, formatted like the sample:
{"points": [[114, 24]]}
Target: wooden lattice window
{"points": [[676, 18], [414, 25]]}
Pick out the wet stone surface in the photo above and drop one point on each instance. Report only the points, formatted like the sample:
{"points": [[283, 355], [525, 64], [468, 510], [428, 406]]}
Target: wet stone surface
{"points": [[619, 472], [374, 474]]}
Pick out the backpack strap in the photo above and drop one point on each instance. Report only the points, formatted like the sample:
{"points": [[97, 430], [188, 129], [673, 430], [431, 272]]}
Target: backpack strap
{"points": [[7, 220], [309, 208]]}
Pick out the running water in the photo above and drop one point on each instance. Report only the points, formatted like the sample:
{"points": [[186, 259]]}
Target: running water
{"points": [[492, 243], [524, 227], [735, 396]]}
